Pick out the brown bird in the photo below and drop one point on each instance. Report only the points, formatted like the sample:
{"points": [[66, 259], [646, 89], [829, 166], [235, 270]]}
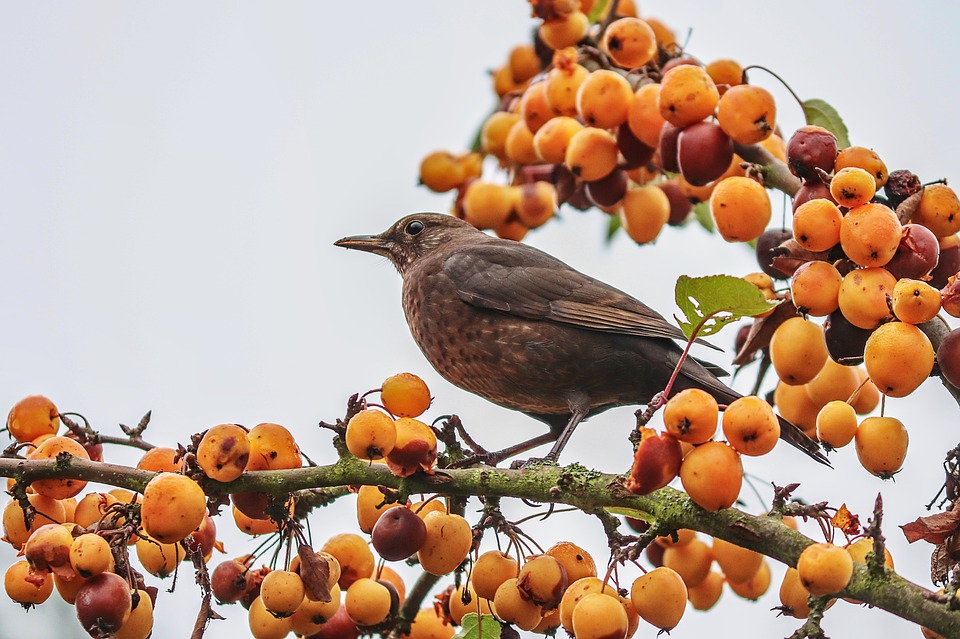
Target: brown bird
{"points": [[516, 326]]}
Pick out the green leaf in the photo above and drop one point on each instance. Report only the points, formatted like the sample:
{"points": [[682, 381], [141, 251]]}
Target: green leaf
{"points": [[701, 211], [822, 114], [710, 303], [629, 512], [613, 226], [597, 11], [471, 628]]}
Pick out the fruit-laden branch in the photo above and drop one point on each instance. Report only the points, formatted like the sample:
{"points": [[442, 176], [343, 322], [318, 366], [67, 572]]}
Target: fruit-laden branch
{"points": [[573, 485]]}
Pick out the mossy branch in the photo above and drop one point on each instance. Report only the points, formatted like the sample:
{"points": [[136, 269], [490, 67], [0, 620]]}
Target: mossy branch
{"points": [[572, 485]]}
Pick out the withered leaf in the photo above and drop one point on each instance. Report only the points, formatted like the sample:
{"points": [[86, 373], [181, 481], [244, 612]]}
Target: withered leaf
{"points": [[315, 572], [934, 528], [939, 565], [846, 521]]}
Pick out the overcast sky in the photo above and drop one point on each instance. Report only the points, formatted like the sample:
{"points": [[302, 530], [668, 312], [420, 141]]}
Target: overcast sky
{"points": [[172, 178]]}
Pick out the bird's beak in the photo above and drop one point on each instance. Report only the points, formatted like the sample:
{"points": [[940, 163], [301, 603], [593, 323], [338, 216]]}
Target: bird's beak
{"points": [[368, 243]]}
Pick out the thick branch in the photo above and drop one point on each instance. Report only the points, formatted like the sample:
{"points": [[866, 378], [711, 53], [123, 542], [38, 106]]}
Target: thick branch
{"points": [[573, 485]]}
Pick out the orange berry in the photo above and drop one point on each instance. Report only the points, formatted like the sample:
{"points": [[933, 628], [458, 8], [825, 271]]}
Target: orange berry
{"points": [[487, 205], [863, 158], [512, 607], [630, 42], [490, 570], [50, 449], [592, 154], [552, 139], [603, 99], [575, 560], [493, 133], [836, 424], [518, 146], [725, 71], [534, 107], [563, 82], [863, 296], [598, 616], [31, 417], [881, 444], [794, 405], [747, 113], [939, 210], [870, 234], [705, 595], [915, 302], [27, 586], [712, 475], [833, 382], [645, 212], [272, 447], [798, 350], [660, 596], [161, 459], [643, 116], [816, 224], [852, 186], [740, 208], [738, 564], [824, 569], [173, 507], [750, 426], [687, 95], [441, 172], [815, 288], [565, 31], [898, 358], [754, 587], [223, 452], [354, 556], [449, 538], [691, 561], [405, 395], [691, 416], [535, 203]]}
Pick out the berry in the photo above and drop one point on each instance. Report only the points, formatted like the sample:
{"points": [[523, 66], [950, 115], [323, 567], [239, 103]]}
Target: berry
{"points": [[864, 158], [810, 148], [815, 288], [740, 208], [852, 186], [645, 212], [603, 99], [173, 507], [282, 592], [630, 42], [870, 234], [371, 434], [687, 95], [836, 424], [223, 452], [816, 224], [448, 540], [750, 426], [939, 210], [712, 475], [398, 533], [543, 580], [103, 604], [898, 357], [660, 596], [746, 113], [824, 569], [691, 416], [32, 417], [704, 152], [881, 444], [643, 115], [863, 296], [798, 350], [948, 357], [405, 395]]}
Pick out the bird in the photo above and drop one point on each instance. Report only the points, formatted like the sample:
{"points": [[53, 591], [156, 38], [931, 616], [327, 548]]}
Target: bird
{"points": [[524, 330]]}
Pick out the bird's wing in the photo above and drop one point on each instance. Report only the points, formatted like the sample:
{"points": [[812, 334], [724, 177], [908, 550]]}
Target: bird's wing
{"points": [[523, 281]]}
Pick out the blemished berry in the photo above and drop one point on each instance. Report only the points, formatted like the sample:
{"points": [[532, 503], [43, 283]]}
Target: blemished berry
{"points": [[223, 452], [691, 416], [704, 152], [630, 42], [371, 434], [810, 148], [750, 426], [948, 357], [656, 462], [103, 603], [852, 186], [917, 254], [543, 580]]}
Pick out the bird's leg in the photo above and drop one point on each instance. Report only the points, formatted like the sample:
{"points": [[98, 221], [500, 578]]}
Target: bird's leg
{"points": [[575, 419], [498, 456]]}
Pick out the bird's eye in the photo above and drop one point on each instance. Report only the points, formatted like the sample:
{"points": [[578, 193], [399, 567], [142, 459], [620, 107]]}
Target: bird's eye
{"points": [[414, 227]]}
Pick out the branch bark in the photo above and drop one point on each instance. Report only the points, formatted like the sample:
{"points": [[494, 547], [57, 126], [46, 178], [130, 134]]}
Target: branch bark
{"points": [[573, 485]]}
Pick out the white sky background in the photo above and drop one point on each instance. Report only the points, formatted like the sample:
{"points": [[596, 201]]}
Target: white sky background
{"points": [[172, 179]]}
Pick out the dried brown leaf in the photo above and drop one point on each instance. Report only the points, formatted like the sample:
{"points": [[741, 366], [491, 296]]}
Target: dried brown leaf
{"points": [[315, 572], [934, 528]]}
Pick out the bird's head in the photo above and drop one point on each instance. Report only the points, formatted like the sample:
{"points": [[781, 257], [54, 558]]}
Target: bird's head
{"points": [[411, 238]]}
